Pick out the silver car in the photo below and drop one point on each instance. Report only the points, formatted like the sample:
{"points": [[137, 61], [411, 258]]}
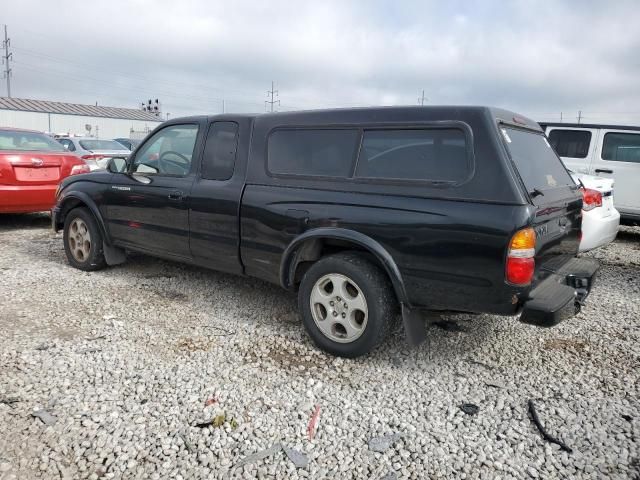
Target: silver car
{"points": [[95, 152]]}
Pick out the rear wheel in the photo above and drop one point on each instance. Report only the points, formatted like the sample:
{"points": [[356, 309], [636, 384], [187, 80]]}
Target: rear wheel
{"points": [[83, 240], [347, 304]]}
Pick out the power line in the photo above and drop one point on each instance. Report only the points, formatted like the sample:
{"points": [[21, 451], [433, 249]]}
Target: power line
{"points": [[83, 77], [5, 60], [271, 92], [94, 67], [176, 84], [86, 66]]}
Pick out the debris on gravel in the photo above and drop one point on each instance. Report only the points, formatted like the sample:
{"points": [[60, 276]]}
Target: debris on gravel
{"points": [[382, 444], [469, 408], [299, 459], [543, 431], [45, 416], [260, 455], [171, 336]]}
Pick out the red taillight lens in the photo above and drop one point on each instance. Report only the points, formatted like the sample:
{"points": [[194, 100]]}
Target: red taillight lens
{"points": [[520, 270], [77, 169], [591, 199], [520, 258]]}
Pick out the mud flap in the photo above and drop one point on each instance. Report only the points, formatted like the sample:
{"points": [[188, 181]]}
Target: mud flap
{"points": [[415, 327], [113, 255]]}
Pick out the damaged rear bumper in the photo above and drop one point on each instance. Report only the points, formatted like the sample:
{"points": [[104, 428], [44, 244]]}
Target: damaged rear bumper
{"points": [[560, 295]]}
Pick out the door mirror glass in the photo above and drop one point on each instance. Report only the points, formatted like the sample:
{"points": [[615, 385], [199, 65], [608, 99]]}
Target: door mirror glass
{"points": [[117, 165]]}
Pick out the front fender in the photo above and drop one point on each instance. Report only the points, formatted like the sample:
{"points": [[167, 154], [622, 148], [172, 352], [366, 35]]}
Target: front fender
{"points": [[74, 199], [288, 263]]}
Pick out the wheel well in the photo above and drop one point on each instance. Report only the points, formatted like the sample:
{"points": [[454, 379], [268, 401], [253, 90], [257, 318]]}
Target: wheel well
{"points": [[314, 249], [67, 206]]}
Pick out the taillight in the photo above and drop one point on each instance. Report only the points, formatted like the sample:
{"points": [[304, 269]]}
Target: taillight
{"points": [[77, 169], [92, 157], [591, 199], [520, 259]]}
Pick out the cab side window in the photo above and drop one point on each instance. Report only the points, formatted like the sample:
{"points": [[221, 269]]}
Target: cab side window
{"points": [[219, 159], [168, 152], [68, 144]]}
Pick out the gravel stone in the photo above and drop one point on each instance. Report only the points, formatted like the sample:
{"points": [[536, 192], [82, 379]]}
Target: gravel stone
{"points": [[171, 336]]}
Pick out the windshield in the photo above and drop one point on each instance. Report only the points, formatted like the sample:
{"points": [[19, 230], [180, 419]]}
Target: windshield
{"points": [[28, 141], [101, 145], [537, 163]]}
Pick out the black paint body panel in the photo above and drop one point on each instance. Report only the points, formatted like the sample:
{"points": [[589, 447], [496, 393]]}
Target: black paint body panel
{"points": [[443, 246]]}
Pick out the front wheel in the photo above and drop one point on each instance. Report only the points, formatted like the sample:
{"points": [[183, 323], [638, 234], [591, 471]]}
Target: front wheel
{"points": [[347, 304], [83, 240]]}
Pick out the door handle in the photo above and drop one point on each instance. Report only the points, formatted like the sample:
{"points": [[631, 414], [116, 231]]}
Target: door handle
{"points": [[176, 196], [604, 170]]}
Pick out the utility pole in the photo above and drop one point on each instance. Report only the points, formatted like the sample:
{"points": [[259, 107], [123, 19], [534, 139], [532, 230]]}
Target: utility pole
{"points": [[422, 98], [579, 115], [5, 60], [223, 105], [561, 116], [273, 93]]}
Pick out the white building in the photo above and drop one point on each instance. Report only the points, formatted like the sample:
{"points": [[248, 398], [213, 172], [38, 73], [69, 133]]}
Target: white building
{"points": [[76, 119]]}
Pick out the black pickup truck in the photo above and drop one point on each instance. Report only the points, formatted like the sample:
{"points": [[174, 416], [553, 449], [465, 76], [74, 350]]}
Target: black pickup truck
{"points": [[366, 213]]}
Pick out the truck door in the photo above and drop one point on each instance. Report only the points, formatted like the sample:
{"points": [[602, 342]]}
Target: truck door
{"points": [[618, 157], [575, 146], [147, 209], [215, 198]]}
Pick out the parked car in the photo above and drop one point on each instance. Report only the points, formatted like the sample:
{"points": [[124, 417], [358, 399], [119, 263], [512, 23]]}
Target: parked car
{"points": [[130, 143], [364, 212], [94, 151], [609, 151], [600, 219], [31, 167]]}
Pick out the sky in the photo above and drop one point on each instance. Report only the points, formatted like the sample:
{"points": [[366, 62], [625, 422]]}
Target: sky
{"points": [[542, 59]]}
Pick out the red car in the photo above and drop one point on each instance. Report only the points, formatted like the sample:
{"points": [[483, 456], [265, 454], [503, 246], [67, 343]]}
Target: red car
{"points": [[31, 167]]}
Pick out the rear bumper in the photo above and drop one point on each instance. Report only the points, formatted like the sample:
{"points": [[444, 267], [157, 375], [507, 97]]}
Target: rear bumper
{"points": [[27, 198], [598, 231], [561, 295]]}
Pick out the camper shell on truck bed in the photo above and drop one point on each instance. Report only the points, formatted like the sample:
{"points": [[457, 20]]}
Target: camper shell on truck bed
{"points": [[364, 212]]}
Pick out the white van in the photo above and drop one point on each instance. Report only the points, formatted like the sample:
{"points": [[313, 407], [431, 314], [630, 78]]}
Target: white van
{"points": [[610, 151]]}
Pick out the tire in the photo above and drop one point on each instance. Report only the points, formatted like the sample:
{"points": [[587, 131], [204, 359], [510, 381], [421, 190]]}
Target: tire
{"points": [[355, 299], [83, 241]]}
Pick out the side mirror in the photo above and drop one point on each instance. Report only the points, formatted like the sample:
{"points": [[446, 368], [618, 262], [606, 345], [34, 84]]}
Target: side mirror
{"points": [[117, 165]]}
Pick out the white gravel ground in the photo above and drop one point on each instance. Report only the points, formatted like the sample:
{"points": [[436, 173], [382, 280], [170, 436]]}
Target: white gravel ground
{"points": [[126, 358]]}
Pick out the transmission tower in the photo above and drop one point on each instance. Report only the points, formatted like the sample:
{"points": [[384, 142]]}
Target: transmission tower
{"points": [[422, 99], [6, 58], [273, 93]]}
